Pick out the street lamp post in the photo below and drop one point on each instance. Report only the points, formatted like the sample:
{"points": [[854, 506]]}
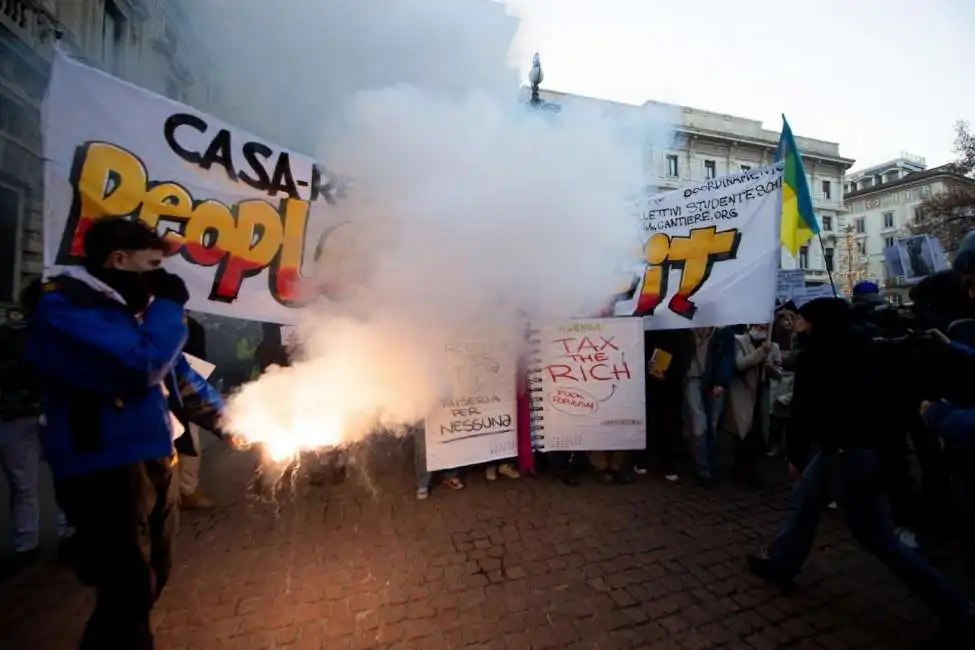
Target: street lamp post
{"points": [[535, 77]]}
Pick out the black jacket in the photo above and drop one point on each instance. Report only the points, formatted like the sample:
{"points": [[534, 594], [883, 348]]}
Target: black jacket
{"points": [[196, 341], [270, 351], [836, 394]]}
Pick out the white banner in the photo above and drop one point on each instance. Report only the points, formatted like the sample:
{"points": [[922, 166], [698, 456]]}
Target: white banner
{"points": [[711, 253], [588, 385], [257, 228], [477, 422]]}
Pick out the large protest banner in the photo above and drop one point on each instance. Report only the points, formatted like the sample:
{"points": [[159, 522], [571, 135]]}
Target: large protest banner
{"points": [[587, 385], [256, 227], [711, 253], [477, 422]]}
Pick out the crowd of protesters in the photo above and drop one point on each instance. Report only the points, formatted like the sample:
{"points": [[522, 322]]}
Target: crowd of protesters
{"points": [[97, 367]]}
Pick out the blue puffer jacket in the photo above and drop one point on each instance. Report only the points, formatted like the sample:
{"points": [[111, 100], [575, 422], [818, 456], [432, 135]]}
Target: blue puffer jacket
{"points": [[103, 373]]}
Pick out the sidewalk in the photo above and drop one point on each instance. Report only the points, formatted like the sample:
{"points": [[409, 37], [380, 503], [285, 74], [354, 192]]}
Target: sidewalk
{"points": [[506, 565]]}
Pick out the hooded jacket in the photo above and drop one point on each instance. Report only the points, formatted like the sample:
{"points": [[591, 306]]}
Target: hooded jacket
{"points": [[103, 372], [964, 261]]}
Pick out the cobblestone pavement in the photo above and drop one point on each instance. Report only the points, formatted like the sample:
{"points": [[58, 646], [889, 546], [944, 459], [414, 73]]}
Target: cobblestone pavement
{"points": [[506, 565]]}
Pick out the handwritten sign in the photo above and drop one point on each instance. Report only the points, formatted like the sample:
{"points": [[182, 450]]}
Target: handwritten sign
{"points": [[591, 385], [476, 422], [710, 253]]}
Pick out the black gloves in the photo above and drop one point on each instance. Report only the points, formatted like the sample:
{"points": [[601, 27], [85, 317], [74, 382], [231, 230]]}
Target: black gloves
{"points": [[163, 284]]}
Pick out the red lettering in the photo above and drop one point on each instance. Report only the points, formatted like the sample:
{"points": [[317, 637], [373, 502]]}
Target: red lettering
{"points": [[565, 344], [564, 372], [592, 372], [585, 343], [617, 373], [620, 372], [608, 343]]}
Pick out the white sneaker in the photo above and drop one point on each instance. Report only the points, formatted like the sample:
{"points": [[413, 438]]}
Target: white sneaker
{"points": [[673, 478], [906, 536], [641, 471], [422, 493], [832, 505], [491, 473]]}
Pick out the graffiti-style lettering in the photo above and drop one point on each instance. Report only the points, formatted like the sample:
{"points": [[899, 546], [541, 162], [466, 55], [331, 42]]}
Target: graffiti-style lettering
{"points": [[694, 255], [239, 240], [183, 133]]}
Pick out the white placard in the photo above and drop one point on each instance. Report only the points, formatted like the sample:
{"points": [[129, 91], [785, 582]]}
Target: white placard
{"points": [[788, 282], [477, 421], [711, 253], [202, 368], [920, 257], [589, 383], [259, 230]]}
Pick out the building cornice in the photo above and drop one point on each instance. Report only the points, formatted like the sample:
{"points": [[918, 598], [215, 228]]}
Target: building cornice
{"points": [[944, 172], [768, 144]]}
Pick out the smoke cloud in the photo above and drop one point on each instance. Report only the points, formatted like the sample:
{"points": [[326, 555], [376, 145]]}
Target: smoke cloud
{"points": [[468, 210]]}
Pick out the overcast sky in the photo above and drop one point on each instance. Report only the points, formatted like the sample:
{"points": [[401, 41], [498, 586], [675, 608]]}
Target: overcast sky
{"points": [[876, 77]]}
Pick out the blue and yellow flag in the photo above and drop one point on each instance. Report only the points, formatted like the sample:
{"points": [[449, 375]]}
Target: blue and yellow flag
{"points": [[798, 220]]}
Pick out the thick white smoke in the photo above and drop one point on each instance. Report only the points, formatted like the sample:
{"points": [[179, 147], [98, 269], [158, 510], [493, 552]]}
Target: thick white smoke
{"points": [[474, 210]]}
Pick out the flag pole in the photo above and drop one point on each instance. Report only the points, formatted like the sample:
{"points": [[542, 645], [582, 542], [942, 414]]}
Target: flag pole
{"points": [[829, 273]]}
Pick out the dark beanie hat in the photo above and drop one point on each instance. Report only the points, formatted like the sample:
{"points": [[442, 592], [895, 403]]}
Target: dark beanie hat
{"points": [[964, 261], [826, 312]]}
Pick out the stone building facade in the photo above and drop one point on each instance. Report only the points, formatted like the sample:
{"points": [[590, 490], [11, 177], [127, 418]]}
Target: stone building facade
{"points": [[147, 42], [686, 145], [885, 200]]}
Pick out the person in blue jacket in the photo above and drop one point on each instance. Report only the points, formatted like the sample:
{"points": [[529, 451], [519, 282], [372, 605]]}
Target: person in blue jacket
{"points": [[106, 341], [955, 425]]}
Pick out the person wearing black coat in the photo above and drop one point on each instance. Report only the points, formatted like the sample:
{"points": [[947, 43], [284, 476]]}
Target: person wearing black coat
{"points": [[833, 407]]}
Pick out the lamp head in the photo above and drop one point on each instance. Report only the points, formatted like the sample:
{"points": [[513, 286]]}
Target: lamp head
{"points": [[535, 76]]}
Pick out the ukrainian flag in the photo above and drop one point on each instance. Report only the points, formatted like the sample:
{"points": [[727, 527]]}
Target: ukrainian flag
{"points": [[798, 221]]}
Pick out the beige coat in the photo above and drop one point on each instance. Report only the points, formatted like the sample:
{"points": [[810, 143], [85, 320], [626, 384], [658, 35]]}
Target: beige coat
{"points": [[747, 387]]}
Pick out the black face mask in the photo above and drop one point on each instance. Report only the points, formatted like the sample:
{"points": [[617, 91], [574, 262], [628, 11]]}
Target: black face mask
{"points": [[131, 285]]}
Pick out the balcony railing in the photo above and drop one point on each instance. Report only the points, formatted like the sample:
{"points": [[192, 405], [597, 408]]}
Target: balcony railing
{"points": [[31, 24]]}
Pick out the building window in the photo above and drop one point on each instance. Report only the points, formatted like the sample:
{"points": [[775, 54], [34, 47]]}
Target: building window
{"points": [[861, 247], [672, 165], [804, 257], [15, 117], [888, 219], [918, 214], [9, 243], [827, 190], [710, 169], [828, 258], [888, 242], [861, 225], [746, 168], [113, 24], [827, 224]]}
